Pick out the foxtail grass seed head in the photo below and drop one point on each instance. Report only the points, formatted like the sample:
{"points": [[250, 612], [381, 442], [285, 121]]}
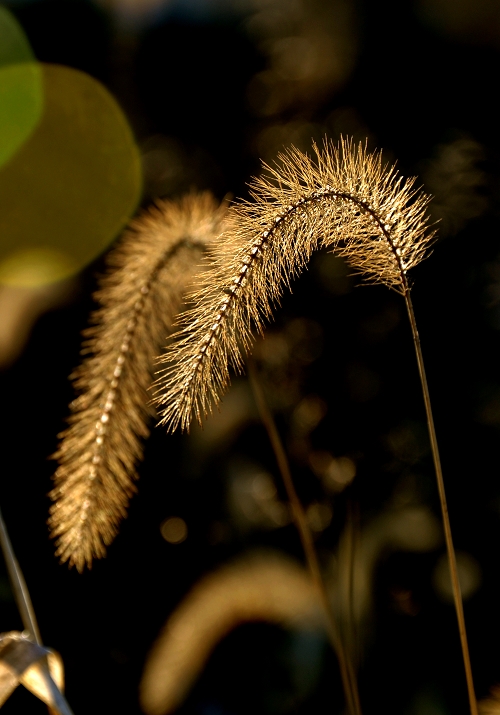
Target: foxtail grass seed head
{"points": [[345, 200], [139, 298]]}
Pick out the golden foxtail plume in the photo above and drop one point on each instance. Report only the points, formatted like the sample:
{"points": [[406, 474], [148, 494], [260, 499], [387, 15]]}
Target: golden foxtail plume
{"points": [[139, 298], [347, 201]]}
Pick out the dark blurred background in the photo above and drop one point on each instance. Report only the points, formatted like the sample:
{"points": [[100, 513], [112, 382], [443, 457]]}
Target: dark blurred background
{"points": [[209, 87]]}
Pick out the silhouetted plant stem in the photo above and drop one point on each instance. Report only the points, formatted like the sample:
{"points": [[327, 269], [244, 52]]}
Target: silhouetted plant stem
{"points": [[457, 596], [346, 670], [21, 593]]}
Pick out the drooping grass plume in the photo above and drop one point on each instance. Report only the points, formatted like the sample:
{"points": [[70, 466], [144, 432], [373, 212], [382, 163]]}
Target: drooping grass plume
{"points": [[347, 201], [139, 297], [258, 587]]}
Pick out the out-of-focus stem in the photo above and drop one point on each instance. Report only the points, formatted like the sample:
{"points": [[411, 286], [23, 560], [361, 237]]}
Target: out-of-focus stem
{"points": [[350, 629], [346, 670], [457, 596]]}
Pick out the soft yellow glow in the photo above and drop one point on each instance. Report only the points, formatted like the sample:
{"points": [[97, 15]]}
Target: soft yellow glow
{"points": [[491, 705], [19, 309], [469, 575], [308, 414], [336, 474], [75, 183], [253, 499], [319, 516], [35, 267]]}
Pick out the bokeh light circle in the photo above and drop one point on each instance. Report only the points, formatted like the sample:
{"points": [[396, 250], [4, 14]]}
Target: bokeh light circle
{"points": [[74, 183], [174, 530]]}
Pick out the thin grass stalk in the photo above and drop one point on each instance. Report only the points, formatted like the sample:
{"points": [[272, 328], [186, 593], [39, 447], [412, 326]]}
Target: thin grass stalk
{"points": [[20, 590], [346, 670], [28, 617], [457, 595], [350, 635]]}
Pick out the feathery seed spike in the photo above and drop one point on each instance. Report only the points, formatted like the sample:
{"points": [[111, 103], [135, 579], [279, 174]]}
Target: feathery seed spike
{"points": [[139, 298], [346, 201]]}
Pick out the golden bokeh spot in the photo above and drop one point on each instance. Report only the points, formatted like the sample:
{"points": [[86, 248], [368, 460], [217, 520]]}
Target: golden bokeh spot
{"points": [[75, 183], [174, 530], [21, 96]]}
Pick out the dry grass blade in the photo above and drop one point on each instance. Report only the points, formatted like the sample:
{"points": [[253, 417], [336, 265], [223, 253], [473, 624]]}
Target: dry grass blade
{"points": [[139, 298], [346, 200]]}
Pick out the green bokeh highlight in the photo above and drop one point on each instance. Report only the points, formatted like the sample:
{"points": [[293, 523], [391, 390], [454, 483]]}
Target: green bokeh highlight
{"points": [[75, 182], [21, 97]]}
